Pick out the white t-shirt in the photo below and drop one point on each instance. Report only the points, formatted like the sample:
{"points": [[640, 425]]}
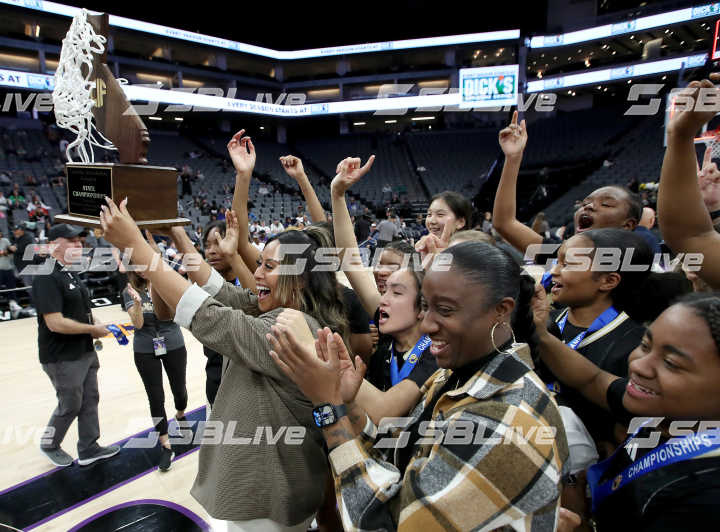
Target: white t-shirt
{"points": [[583, 452]]}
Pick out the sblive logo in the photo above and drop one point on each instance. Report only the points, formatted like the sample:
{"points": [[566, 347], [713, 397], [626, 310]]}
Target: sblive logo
{"points": [[461, 432], [682, 99], [610, 259], [701, 432], [216, 432], [104, 259]]}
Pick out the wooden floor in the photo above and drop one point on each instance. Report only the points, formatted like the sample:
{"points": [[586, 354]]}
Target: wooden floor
{"points": [[28, 399]]}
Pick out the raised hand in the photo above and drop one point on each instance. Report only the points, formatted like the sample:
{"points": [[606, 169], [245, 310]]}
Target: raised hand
{"points": [[228, 244], [293, 166], [134, 295], [349, 172], [709, 181], [118, 226], [688, 120], [242, 153], [514, 137]]}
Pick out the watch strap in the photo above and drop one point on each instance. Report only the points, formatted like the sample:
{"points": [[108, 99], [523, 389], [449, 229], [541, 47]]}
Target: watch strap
{"points": [[340, 411]]}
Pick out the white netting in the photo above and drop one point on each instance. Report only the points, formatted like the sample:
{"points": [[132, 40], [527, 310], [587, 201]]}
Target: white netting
{"points": [[714, 146], [72, 95]]}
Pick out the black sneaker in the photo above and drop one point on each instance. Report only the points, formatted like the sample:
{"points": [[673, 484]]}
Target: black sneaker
{"points": [[58, 457], [100, 454], [166, 456], [184, 427]]}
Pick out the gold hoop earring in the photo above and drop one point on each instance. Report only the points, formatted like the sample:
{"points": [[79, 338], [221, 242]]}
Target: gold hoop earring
{"points": [[492, 334]]}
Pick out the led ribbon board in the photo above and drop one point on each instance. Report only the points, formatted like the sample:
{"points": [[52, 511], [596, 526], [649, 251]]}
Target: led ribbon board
{"points": [[26, 80], [628, 26], [612, 74]]}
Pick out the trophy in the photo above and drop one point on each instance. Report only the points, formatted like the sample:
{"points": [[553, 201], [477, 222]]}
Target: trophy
{"points": [[90, 102]]}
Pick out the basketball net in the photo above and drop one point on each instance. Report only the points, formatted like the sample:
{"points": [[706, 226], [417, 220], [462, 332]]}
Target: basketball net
{"points": [[713, 144], [72, 97]]}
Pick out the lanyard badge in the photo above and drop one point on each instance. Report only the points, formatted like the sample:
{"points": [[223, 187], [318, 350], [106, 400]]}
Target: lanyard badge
{"points": [[412, 360], [601, 321]]}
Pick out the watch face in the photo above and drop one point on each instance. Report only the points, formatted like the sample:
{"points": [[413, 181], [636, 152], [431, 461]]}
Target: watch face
{"points": [[324, 415]]}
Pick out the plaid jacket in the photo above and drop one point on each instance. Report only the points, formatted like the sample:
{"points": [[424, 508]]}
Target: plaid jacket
{"points": [[499, 480]]}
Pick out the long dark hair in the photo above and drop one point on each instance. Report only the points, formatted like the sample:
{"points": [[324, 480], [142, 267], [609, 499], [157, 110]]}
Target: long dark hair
{"points": [[316, 293], [137, 282], [501, 277]]}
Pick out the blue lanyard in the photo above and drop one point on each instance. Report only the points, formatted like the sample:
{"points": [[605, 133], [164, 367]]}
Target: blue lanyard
{"points": [[412, 360], [237, 281], [118, 334], [546, 280], [601, 321], [673, 451]]}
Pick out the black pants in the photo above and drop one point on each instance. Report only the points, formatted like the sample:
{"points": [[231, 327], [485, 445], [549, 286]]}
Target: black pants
{"points": [[150, 368], [213, 371], [7, 280]]}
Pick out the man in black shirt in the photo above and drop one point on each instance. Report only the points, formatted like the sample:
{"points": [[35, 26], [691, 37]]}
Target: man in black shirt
{"points": [[22, 241], [362, 228], [66, 330]]}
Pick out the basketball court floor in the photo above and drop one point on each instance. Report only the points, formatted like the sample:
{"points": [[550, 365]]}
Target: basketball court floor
{"points": [[126, 491]]}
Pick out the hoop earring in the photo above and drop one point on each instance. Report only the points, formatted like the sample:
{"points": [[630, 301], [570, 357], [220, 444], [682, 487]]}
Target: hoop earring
{"points": [[492, 334]]}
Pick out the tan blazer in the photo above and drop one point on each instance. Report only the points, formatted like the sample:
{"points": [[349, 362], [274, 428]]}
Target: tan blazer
{"points": [[253, 479]]}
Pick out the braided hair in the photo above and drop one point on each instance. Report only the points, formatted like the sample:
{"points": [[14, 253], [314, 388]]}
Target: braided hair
{"points": [[706, 306]]}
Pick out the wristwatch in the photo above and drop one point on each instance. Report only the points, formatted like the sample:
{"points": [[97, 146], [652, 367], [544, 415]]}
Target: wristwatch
{"points": [[327, 414]]}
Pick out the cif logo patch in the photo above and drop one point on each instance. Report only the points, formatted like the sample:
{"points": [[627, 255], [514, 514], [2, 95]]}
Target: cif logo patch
{"points": [[617, 482], [413, 358]]}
